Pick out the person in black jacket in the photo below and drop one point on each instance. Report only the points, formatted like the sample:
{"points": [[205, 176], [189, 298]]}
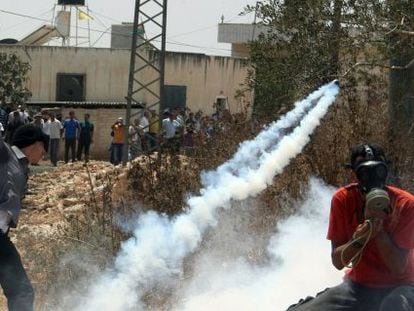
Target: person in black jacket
{"points": [[27, 147]]}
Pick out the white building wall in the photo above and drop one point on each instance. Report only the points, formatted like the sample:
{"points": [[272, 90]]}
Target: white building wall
{"points": [[107, 71]]}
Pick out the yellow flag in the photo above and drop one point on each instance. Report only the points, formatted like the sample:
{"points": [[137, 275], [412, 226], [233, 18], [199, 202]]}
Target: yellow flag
{"points": [[83, 15]]}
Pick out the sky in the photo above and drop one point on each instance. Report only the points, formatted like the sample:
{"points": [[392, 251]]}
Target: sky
{"points": [[192, 24]]}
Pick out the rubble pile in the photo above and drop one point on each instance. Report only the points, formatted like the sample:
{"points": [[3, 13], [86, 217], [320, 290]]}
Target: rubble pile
{"points": [[55, 194]]}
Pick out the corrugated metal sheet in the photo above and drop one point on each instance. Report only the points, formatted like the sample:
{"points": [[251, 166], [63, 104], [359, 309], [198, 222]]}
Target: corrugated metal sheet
{"points": [[89, 104]]}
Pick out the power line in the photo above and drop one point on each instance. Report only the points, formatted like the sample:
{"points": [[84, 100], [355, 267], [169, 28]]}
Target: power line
{"points": [[104, 16], [196, 46], [103, 32], [205, 28], [18, 24]]}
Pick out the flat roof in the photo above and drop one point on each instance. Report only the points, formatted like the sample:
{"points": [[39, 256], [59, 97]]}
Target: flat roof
{"points": [[240, 33]]}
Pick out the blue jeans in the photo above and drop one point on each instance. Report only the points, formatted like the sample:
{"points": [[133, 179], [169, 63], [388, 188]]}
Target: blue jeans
{"points": [[351, 296], [117, 153]]}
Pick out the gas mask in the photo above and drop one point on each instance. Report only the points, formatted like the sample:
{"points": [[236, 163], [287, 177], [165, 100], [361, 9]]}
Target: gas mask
{"points": [[372, 176]]}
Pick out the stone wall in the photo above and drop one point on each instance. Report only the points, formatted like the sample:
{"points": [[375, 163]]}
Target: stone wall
{"points": [[107, 71], [102, 118]]}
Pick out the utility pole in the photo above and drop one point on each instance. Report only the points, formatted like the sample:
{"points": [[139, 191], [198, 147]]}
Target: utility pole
{"points": [[255, 21], [147, 62]]}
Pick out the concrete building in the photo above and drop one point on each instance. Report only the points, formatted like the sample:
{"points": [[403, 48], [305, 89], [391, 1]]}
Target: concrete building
{"points": [[96, 80], [239, 35]]}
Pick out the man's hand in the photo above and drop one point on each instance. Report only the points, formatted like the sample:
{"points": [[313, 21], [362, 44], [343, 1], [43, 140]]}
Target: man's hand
{"points": [[368, 230]]}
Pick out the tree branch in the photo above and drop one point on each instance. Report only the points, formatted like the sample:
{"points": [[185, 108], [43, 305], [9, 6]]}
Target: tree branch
{"points": [[404, 67], [359, 64], [373, 64], [406, 32]]}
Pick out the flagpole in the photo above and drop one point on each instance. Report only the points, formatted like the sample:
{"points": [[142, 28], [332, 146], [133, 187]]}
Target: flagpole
{"points": [[89, 26], [70, 23], [77, 16]]}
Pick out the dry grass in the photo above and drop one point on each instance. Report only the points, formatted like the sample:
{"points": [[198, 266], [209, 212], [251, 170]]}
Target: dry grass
{"points": [[162, 182]]}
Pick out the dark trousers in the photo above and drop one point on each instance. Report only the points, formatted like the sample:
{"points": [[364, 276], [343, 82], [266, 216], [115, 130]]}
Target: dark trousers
{"points": [[351, 296], [117, 153], [70, 143], [46, 144], [13, 278], [83, 147], [153, 140], [54, 150]]}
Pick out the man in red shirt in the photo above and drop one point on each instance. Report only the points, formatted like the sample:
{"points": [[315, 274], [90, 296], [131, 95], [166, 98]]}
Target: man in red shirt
{"points": [[371, 229]]}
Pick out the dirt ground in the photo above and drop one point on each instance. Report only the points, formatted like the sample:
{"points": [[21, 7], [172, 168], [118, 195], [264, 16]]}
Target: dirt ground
{"points": [[54, 194]]}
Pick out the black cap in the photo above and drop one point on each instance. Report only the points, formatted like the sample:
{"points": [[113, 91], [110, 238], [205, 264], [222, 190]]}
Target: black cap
{"points": [[27, 135]]}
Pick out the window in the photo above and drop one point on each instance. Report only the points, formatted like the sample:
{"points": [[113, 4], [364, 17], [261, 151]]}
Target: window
{"points": [[70, 87], [175, 97]]}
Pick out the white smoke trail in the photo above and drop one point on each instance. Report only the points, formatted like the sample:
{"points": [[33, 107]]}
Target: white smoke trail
{"points": [[246, 156], [159, 245], [300, 266]]}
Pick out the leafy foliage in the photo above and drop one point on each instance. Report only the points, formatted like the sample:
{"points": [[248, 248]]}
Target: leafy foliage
{"points": [[13, 77], [311, 42]]}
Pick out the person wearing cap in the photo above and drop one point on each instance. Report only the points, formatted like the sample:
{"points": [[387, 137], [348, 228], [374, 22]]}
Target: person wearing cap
{"points": [[371, 231], [27, 148], [118, 140]]}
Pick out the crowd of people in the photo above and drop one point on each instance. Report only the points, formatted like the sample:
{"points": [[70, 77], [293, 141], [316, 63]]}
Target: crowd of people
{"points": [[77, 136], [177, 130], [370, 222]]}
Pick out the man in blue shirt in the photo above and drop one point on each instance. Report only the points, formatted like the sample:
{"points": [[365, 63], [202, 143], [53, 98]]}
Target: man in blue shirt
{"points": [[71, 132], [27, 147]]}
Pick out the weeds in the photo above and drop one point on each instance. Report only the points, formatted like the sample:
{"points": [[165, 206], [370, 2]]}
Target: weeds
{"points": [[88, 239]]}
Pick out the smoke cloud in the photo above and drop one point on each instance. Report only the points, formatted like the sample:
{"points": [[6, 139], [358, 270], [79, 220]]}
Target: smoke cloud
{"points": [[299, 265], [155, 253]]}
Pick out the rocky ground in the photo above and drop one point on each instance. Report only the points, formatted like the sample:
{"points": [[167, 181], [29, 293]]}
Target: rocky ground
{"points": [[55, 195]]}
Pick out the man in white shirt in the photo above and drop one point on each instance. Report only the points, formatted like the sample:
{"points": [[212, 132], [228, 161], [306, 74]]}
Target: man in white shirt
{"points": [[55, 133], [144, 122], [24, 115], [170, 140]]}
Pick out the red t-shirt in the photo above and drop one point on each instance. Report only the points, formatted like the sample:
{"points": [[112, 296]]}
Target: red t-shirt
{"points": [[347, 204]]}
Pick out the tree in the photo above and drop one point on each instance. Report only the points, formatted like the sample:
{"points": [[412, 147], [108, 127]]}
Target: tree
{"points": [[367, 44], [401, 97], [310, 42], [13, 77], [297, 52]]}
